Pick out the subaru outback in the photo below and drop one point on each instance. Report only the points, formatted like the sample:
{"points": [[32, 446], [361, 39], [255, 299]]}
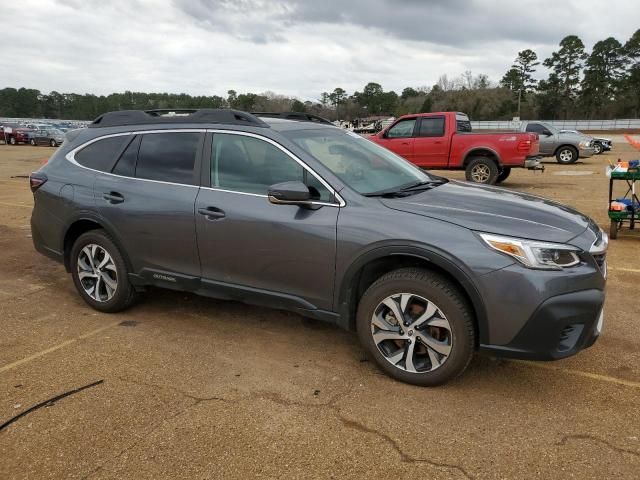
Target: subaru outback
{"points": [[306, 217]]}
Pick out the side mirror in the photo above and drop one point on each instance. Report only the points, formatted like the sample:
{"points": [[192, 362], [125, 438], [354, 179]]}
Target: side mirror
{"points": [[289, 193], [383, 134]]}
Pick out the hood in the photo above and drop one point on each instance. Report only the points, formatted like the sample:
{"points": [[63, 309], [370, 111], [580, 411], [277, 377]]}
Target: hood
{"points": [[577, 137], [495, 210]]}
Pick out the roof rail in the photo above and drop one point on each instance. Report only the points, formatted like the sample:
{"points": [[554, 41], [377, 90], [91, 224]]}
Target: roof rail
{"points": [[177, 115], [299, 116]]}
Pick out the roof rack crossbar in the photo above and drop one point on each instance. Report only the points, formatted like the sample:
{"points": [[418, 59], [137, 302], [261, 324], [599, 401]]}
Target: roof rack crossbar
{"points": [[299, 116], [182, 115]]}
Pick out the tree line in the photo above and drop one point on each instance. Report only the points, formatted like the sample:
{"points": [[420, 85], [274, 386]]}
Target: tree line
{"points": [[603, 84]]}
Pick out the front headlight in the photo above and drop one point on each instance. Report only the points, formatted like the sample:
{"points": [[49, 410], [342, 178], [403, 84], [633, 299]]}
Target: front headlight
{"points": [[585, 144], [533, 254]]}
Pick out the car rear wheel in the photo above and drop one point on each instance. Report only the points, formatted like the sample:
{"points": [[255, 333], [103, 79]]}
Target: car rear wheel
{"points": [[12, 140], [482, 170], [597, 148], [32, 142], [99, 272], [566, 155], [53, 143], [504, 173], [417, 326]]}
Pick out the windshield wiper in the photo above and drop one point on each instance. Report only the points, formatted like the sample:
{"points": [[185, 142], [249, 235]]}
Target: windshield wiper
{"points": [[406, 190]]}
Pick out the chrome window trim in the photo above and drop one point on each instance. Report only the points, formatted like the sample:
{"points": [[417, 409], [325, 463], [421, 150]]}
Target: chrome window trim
{"points": [[341, 202], [70, 157]]}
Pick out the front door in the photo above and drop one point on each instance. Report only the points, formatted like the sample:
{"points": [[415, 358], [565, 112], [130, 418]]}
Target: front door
{"points": [[253, 249], [399, 138]]}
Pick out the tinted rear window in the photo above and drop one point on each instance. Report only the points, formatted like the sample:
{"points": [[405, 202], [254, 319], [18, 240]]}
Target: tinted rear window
{"points": [[431, 127], [168, 157], [102, 154]]}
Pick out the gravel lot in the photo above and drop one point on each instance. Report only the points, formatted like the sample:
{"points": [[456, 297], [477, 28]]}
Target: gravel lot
{"points": [[198, 388]]}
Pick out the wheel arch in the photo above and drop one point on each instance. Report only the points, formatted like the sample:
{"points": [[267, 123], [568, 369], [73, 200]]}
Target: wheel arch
{"points": [[84, 223], [370, 266], [481, 152]]}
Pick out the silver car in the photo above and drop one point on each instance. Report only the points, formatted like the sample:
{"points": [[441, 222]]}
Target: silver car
{"points": [[566, 146]]}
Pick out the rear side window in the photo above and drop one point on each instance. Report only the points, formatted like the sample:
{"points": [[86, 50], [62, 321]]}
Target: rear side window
{"points": [[431, 127], [168, 157], [102, 154]]}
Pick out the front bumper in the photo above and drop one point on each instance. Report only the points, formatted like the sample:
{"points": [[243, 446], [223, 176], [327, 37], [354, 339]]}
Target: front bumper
{"points": [[560, 327], [586, 152]]}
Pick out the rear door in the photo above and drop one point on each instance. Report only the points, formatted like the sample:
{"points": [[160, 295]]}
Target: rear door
{"points": [[253, 249], [431, 145], [148, 198], [400, 138]]}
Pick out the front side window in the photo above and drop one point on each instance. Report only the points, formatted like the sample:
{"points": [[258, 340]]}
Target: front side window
{"points": [[168, 157], [431, 127], [402, 129], [247, 164], [363, 165], [101, 154]]}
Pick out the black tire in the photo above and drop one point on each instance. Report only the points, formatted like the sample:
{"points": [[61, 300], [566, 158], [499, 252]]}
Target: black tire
{"points": [[53, 143], [124, 294], [613, 230], [446, 296], [566, 155], [504, 174], [33, 142], [597, 147], [482, 170], [12, 140]]}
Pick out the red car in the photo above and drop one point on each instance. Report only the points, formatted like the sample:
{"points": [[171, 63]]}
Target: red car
{"points": [[444, 140], [12, 134]]}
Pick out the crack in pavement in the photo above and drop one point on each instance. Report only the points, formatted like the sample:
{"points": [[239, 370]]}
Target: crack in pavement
{"points": [[156, 425], [565, 440], [355, 425], [331, 405]]}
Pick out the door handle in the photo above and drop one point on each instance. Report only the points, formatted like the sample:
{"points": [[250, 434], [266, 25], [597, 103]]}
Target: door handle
{"points": [[404, 143], [113, 197], [212, 213], [438, 142]]}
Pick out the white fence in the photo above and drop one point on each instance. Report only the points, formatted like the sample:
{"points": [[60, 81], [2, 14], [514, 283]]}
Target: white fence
{"points": [[620, 124]]}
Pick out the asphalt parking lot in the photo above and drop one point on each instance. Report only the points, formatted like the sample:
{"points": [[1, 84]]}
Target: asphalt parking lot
{"points": [[197, 388]]}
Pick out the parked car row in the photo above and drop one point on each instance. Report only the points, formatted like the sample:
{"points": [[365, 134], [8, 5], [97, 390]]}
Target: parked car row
{"points": [[14, 134]]}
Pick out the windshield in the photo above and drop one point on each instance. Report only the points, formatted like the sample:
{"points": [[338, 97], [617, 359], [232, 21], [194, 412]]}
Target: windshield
{"points": [[358, 162]]}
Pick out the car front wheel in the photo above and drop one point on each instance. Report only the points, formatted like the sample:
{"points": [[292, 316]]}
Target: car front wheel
{"points": [[32, 142], [417, 326], [566, 155], [99, 272], [597, 148], [53, 143]]}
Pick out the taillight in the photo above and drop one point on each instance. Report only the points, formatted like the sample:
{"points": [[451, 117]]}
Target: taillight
{"points": [[36, 180], [524, 146]]}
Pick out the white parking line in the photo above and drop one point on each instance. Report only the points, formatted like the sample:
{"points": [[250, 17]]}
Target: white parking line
{"points": [[57, 347], [580, 373]]}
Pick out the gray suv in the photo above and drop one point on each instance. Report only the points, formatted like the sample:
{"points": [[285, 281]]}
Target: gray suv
{"points": [[313, 219]]}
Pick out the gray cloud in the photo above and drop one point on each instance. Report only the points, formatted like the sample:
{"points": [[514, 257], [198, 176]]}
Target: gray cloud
{"points": [[291, 47]]}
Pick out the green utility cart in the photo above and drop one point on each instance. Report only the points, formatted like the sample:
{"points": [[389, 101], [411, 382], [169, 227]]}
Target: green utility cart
{"points": [[630, 199]]}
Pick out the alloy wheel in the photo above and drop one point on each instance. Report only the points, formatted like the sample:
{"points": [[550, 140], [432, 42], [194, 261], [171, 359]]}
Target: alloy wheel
{"points": [[566, 155], [97, 273], [411, 333], [480, 173]]}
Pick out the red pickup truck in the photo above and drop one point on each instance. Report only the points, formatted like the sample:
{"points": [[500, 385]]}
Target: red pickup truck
{"points": [[444, 140]]}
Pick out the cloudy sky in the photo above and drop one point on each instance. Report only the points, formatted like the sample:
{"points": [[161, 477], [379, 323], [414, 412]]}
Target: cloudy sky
{"points": [[292, 47]]}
